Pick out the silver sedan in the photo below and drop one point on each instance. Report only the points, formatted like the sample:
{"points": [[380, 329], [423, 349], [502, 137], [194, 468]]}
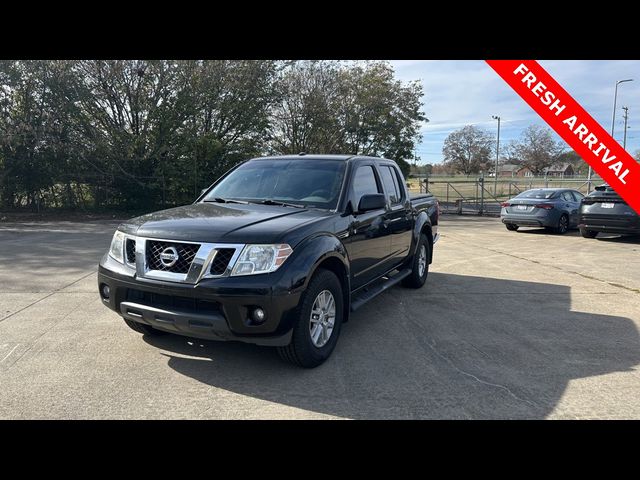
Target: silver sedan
{"points": [[556, 209]]}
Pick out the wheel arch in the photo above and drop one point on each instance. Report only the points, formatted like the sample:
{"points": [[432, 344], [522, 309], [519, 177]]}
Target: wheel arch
{"points": [[423, 226], [324, 251], [338, 268]]}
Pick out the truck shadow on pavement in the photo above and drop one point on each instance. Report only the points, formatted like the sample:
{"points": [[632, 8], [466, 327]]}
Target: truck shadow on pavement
{"points": [[462, 347]]}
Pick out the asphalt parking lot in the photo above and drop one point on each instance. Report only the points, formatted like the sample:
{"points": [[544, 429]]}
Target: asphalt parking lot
{"points": [[509, 325]]}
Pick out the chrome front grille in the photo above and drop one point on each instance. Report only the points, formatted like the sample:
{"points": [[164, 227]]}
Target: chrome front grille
{"points": [[130, 251], [176, 261], [221, 261], [170, 256]]}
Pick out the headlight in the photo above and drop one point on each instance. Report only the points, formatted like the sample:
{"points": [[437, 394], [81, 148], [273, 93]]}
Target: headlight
{"points": [[117, 246], [256, 259]]}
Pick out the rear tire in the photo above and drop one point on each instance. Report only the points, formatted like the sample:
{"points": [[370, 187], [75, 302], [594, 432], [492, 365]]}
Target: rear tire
{"points": [[419, 264], [142, 328], [563, 225], [303, 351], [512, 227], [588, 233]]}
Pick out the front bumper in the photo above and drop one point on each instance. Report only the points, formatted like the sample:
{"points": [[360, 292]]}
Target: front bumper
{"points": [[215, 309]]}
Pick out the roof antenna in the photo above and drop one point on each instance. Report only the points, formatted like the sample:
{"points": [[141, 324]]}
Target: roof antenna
{"points": [[302, 154]]}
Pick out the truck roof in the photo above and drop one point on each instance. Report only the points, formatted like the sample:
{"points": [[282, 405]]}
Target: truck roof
{"points": [[312, 156]]}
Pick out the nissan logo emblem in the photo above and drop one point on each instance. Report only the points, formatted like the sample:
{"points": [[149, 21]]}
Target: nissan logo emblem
{"points": [[169, 256]]}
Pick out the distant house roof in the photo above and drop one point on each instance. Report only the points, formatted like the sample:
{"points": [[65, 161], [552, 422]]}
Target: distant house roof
{"points": [[558, 168]]}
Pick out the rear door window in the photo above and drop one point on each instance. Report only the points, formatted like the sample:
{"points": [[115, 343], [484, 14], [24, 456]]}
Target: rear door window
{"points": [[390, 184], [398, 179], [577, 195]]}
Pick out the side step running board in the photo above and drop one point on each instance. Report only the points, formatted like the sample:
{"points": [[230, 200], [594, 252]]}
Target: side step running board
{"points": [[377, 289]]}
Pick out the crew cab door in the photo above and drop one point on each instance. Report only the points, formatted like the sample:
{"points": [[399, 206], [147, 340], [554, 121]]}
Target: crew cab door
{"points": [[369, 244], [399, 218]]}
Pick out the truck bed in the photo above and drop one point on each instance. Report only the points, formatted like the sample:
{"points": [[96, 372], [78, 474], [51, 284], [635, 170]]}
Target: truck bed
{"points": [[420, 196]]}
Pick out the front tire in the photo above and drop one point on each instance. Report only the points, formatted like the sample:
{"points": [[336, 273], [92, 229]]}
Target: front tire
{"points": [[588, 233], [511, 226], [419, 264], [142, 328], [318, 322]]}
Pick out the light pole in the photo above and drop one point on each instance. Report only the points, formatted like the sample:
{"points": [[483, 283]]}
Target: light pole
{"points": [[626, 117], [495, 173], [613, 119], [615, 98]]}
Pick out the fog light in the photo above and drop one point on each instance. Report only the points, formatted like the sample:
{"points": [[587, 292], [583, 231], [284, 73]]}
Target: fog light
{"points": [[105, 291], [258, 315]]}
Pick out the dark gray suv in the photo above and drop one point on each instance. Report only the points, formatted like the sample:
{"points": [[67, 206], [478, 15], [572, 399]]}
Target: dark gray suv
{"points": [[606, 212], [556, 209]]}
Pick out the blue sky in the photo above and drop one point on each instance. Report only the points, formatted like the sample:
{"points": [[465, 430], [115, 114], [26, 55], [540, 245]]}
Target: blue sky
{"points": [[463, 92]]}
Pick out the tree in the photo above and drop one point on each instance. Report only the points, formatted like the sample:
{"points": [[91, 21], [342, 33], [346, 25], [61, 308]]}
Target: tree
{"points": [[185, 121], [441, 169], [468, 150], [36, 138], [359, 109], [422, 169], [228, 118], [304, 117], [130, 113], [537, 148], [379, 116], [576, 161], [125, 132]]}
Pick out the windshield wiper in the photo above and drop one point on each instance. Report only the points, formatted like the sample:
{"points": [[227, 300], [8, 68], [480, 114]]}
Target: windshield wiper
{"points": [[225, 200], [270, 201]]}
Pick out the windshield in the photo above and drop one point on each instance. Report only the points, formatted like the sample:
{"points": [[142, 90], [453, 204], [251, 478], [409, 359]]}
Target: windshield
{"points": [[309, 182], [537, 193]]}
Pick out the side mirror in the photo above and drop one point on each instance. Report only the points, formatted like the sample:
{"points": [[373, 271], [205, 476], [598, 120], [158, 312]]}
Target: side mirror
{"points": [[374, 201]]}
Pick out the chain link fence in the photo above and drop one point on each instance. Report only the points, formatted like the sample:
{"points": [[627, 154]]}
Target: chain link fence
{"points": [[136, 194], [483, 195]]}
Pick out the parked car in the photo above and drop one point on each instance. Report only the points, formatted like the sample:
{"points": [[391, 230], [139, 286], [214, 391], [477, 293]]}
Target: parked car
{"points": [[603, 210], [556, 209], [276, 252]]}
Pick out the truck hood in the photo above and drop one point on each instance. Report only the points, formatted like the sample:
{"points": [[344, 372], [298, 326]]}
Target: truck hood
{"points": [[224, 223]]}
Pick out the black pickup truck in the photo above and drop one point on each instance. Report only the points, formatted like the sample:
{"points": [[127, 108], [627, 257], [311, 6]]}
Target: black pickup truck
{"points": [[278, 251]]}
